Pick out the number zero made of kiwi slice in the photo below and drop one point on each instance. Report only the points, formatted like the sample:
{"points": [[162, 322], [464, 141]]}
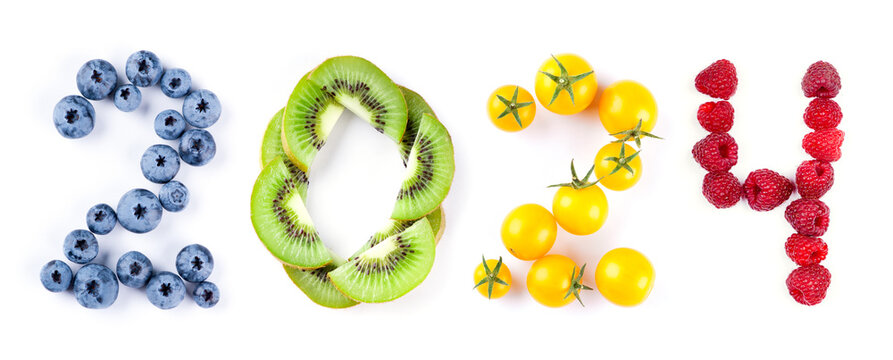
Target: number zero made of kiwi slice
{"points": [[391, 268], [320, 97], [280, 217]]}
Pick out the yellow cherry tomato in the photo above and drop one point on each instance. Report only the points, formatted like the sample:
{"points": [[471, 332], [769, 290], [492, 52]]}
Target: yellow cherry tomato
{"points": [[565, 84], [511, 108], [493, 275], [609, 158], [554, 281], [624, 276], [529, 231], [580, 211], [623, 104]]}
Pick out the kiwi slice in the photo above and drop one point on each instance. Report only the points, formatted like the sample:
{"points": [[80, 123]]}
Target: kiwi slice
{"points": [[271, 146], [362, 87], [307, 121], [429, 171], [416, 107], [393, 227], [316, 285], [389, 269], [280, 218]]}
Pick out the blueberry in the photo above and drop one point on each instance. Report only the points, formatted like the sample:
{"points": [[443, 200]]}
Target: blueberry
{"points": [[80, 246], [169, 124], [97, 79], [143, 68], [201, 108], [73, 117], [56, 276], [166, 290], [194, 263], [134, 269], [206, 294], [174, 196], [197, 147], [160, 163], [128, 97], [95, 286], [175, 83], [139, 211], [101, 219]]}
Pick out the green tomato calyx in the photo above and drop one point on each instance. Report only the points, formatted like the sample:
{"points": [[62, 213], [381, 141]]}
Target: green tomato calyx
{"points": [[577, 284], [512, 106], [492, 276], [635, 135], [564, 81]]}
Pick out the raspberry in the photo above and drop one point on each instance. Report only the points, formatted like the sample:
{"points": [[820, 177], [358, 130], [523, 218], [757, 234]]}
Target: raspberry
{"points": [[722, 189], [808, 217], [821, 80], [822, 114], [716, 116], [766, 189], [716, 152], [718, 80], [814, 178], [824, 144], [805, 250], [808, 284]]}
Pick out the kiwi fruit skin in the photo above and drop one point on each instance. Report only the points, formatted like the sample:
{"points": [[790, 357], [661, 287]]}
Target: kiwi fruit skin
{"points": [[360, 86], [307, 121], [278, 196], [416, 107], [271, 146], [391, 268], [437, 220], [316, 285], [429, 171]]}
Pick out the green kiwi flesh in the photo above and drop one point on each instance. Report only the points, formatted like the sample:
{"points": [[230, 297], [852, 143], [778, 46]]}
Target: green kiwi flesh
{"points": [[307, 121], [271, 146], [391, 268], [365, 90], [280, 218], [316, 285], [416, 107], [429, 171]]}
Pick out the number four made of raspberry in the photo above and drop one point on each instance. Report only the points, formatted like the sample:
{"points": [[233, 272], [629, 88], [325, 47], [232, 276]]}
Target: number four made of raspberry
{"points": [[764, 189], [398, 257]]}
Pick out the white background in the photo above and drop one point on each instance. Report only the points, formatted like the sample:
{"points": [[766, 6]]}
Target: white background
{"points": [[720, 274]]}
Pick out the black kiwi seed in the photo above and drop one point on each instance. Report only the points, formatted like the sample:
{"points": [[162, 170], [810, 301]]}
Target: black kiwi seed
{"points": [[424, 174], [283, 214], [388, 263]]}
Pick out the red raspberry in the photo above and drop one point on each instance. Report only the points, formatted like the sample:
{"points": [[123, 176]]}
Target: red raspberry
{"points": [[809, 217], [822, 114], [808, 284], [766, 189], [716, 152], [718, 80], [821, 80], [716, 116], [824, 144], [722, 189], [814, 178], [805, 250]]}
